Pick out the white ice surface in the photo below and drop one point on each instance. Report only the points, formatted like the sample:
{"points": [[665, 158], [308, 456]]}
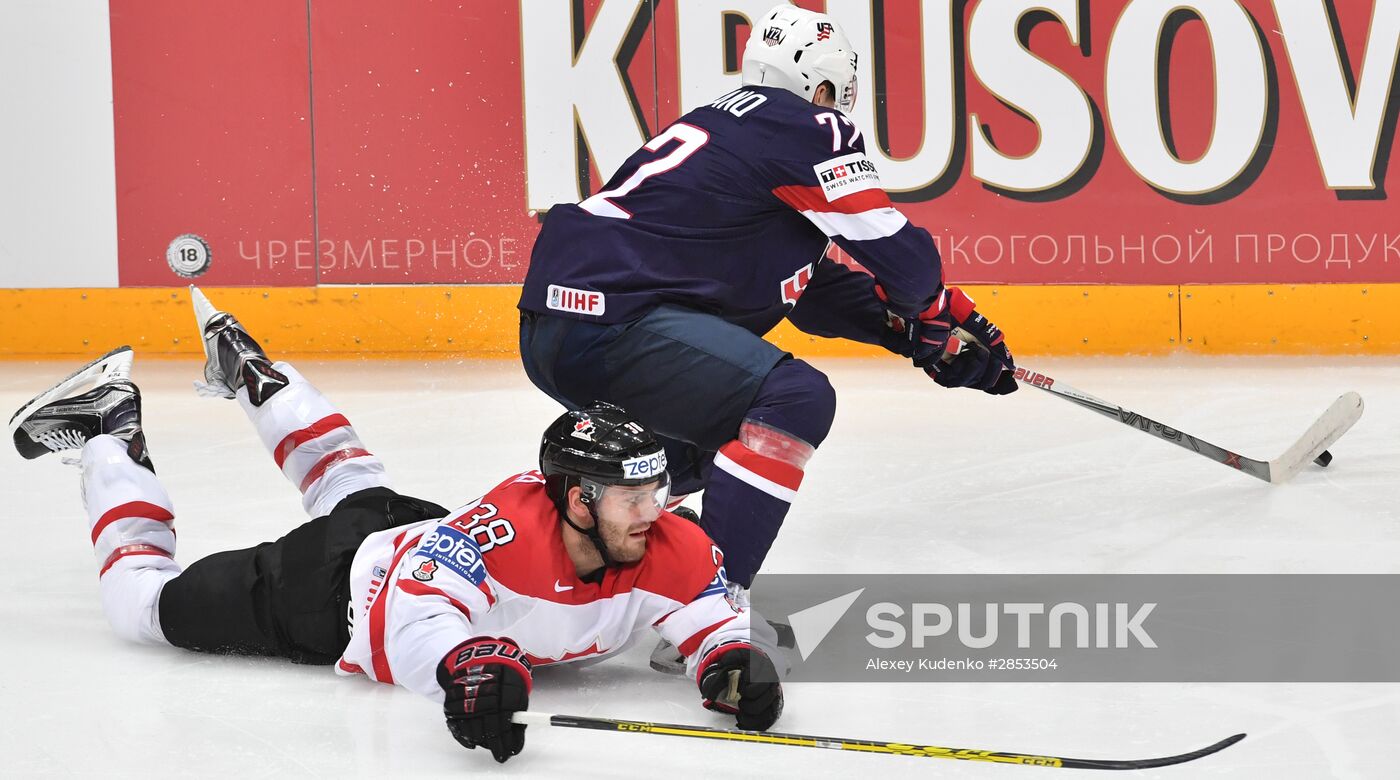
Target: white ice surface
{"points": [[913, 478]]}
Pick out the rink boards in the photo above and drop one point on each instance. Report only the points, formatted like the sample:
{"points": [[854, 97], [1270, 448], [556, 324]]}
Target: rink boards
{"points": [[481, 320]]}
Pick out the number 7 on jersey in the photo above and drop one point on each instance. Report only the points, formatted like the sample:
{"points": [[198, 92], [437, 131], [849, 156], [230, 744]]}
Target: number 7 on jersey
{"points": [[691, 138]]}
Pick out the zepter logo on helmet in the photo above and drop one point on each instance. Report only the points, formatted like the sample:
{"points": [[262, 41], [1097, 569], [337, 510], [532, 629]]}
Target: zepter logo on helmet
{"points": [[797, 50]]}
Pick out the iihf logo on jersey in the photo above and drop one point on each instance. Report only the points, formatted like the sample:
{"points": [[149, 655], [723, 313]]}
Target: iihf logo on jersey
{"points": [[560, 298], [425, 571], [583, 429]]}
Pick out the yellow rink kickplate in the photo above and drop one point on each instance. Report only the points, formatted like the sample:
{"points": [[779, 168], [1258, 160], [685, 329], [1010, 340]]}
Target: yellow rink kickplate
{"points": [[481, 321]]}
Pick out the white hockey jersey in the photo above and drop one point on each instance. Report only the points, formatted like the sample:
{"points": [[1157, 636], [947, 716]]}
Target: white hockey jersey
{"points": [[497, 567]]}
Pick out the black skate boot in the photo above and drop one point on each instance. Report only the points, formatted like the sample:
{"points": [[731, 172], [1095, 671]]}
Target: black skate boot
{"points": [[63, 418], [232, 359]]}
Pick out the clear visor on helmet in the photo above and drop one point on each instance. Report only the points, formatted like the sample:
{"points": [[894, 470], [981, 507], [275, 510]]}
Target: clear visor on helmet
{"points": [[647, 498]]}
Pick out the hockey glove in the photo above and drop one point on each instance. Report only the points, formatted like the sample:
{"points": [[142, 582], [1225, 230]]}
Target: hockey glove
{"points": [[985, 364], [486, 681], [922, 339], [739, 680]]}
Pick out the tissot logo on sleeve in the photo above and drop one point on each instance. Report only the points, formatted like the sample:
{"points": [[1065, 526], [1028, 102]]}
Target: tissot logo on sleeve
{"points": [[844, 175]]}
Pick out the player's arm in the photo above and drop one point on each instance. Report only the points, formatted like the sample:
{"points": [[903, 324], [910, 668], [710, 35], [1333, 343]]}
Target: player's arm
{"points": [[817, 166], [841, 302], [432, 647], [733, 671], [906, 307]]}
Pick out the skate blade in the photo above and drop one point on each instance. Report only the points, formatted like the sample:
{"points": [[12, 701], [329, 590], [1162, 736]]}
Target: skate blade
{"points": [[665, 658], [214, 384], [204, 311], [113, 365]]}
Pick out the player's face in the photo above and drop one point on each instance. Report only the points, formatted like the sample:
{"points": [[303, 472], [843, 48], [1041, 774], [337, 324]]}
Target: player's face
{"points": [[625, 515]]}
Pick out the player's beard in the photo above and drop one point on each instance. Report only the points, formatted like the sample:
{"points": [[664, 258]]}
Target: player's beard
{"points": [[622, 547]]}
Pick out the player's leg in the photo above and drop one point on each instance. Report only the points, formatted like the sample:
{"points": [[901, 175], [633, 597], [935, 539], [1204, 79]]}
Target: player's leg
{"points": [[708, 384], [130, 516], [755, 476], [705, 386], [728, 392], [311, 441], [289, 598]]}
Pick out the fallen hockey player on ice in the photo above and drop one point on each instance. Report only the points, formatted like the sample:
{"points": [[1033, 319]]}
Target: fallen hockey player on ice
{"points": [[572, 562]]}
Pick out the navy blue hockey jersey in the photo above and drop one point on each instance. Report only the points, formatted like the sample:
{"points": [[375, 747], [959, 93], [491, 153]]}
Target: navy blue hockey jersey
{"points": [[729, 211]]}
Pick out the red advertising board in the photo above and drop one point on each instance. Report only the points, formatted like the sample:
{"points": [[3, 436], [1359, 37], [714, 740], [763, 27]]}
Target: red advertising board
{"points": [[1043, 141], [212, 134]]}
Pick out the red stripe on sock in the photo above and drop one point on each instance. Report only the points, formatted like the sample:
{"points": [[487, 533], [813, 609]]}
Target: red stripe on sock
{"points": [[328, 461], [771, 469], [142, 509], [129, 550], [316, 430]]}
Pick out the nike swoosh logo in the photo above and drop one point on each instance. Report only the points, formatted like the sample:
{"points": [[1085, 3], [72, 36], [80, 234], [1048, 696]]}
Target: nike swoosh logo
{"points": [[561, 588]]}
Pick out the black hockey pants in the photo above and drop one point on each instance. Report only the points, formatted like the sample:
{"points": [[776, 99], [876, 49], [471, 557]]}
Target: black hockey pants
{"points": [[287, 598]]}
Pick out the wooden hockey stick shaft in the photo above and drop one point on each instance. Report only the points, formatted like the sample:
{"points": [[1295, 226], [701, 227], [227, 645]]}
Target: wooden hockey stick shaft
{"points": [[859, 745]]}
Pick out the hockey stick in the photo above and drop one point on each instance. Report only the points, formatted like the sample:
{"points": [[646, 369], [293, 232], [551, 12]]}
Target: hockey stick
{"points": [[1310, 447], [859, 745]]}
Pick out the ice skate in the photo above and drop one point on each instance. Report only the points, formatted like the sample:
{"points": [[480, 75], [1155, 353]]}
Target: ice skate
{"points": [[232, 358], [97, 399]]}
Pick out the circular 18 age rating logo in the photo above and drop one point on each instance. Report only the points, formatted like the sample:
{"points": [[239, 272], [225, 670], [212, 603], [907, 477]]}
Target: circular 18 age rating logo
{"points": [[188, 255]]}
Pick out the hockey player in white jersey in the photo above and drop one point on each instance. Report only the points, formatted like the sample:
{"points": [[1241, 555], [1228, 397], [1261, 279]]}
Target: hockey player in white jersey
{"points": [[574, 561]]}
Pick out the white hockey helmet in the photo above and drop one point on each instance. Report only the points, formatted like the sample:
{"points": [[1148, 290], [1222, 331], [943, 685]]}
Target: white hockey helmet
{"points": [[797, 50]]}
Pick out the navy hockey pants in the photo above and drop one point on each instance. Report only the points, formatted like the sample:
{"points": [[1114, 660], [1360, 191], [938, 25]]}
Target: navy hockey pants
{"points": [[694, 379]]}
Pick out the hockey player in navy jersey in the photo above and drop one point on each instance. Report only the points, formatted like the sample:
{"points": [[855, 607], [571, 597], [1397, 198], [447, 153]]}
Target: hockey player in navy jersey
{"points": [[573, 562], [655, 292]]}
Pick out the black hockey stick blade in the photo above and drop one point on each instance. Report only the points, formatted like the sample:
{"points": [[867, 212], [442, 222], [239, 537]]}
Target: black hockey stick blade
{"points": [[1151, 763], [860, 745]]}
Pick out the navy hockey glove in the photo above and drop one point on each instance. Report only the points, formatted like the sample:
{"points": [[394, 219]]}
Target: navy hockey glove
{"points": [[985, 364], [486, 680], [922, 339], [729, 684]]}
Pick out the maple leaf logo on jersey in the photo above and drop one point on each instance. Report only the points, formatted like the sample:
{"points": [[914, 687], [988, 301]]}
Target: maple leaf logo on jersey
{"points": [[583, 429], [425, 571], [824, 30]]}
